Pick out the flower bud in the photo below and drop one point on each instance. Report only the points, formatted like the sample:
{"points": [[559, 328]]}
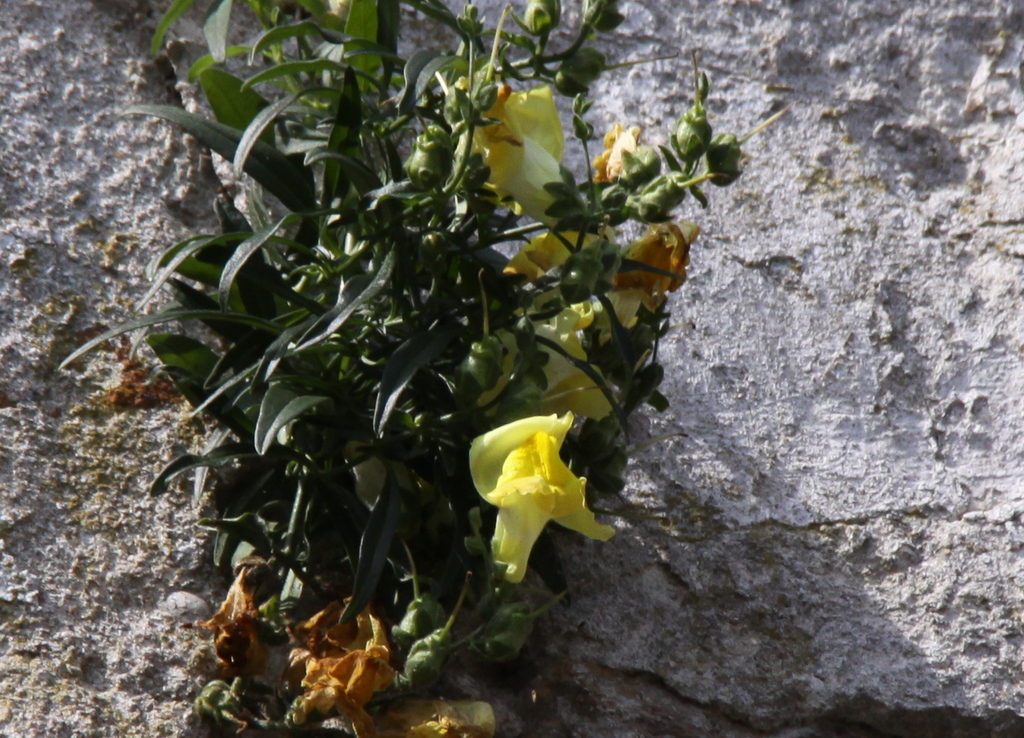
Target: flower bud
{"points": [[602, 15], [641, 166], [724, 159], [598, 438], [580, 275], [481, 369], [542, 16], [430, 162], [503, 636], [692, 134], [657, 199], [433, 252], [485, 96], [423, 616], [613, 197], [426, 659], [219, 704], [578, 71]]}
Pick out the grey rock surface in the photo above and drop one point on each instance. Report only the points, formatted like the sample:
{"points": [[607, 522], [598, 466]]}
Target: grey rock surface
{"points": [[827, 542]]}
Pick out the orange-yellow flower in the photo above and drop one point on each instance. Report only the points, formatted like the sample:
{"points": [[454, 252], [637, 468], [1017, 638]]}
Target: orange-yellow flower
{"points": [[665, 247], [608, 164]]}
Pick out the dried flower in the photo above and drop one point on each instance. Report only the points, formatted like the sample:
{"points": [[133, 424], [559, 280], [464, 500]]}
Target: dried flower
{"points": [[344, 663], [665, 247], [608, 164], [236, 625]]}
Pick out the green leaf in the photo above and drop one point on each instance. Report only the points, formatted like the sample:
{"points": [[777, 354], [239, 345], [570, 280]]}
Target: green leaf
{"points": [[249, 527], [410, 357], [595, 376], [389, 20], [419, 71], [280, 406], [374, 547], [232, 104], [362, 23], [620, 337], [658, 401], [255, 130], [207, 61], [348, 302], [281, 33], [309, 66], [245, 250], [184, 353], [289, 183], [215, 28], [166, 316], [171, 259], [344, 139], [173, 13], [217, 457]]}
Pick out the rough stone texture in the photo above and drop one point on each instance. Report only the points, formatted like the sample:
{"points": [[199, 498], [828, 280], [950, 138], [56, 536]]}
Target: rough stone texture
{"points": [[827, 544]]}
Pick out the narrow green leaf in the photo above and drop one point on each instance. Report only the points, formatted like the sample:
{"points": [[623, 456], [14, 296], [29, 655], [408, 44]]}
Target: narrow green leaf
{"points": [[167, 316], [173, 13], [232, 103], [207, 61], [410, 357], [217, 457], [254, 131], [344, 138], [280, 406], [632, 265], [245, 250], [184, 353], [620, 337], [415, 68], [274, 171], [374, 547], [362, 23], [247, 526], [170, 261], [281, 33], [215, 28], [348, 303], [389, 21], [284, 69], [588, 369]]}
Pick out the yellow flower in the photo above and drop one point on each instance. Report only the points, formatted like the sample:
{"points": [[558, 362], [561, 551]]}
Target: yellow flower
{"points": [[517, 468], [542, 254], [438, 719], [569, 389], [665, 247], [524, 148], [608, 164]]}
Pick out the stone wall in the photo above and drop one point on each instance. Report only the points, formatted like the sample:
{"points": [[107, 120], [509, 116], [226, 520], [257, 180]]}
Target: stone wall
{"points": [[826, 543]]}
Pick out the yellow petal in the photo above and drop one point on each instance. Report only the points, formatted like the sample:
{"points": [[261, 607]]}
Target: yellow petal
{"points": [[488, 452]]}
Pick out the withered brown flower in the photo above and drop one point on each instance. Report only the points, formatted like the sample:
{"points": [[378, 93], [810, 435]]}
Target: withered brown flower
{"points": [[340, 666], [235, 627]]}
